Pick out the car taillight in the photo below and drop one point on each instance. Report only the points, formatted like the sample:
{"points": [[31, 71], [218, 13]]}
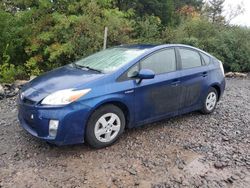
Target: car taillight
{"points": [[222, 68]]}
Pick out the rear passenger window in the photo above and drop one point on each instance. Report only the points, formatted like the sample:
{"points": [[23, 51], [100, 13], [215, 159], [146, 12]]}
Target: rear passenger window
{"points": [[160, 62], [205, 58], [189, 58]]}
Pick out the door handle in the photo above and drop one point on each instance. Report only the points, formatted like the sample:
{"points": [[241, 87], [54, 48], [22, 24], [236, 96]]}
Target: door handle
{"points": [[175, 82], [204, 74]]}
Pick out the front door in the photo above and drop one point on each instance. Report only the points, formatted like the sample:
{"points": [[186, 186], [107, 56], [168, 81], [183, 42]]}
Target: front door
{"points": [[158, 97]]}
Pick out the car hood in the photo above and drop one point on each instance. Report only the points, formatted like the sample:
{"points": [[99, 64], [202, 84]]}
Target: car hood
{"points": [[65, 77]]}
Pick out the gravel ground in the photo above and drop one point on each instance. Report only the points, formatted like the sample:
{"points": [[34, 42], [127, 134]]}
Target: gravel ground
{"points": [[192, 150]]}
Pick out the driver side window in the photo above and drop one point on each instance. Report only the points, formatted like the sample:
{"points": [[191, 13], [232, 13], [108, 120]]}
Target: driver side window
{"points": [[133, 71], [163, 61], [160, 62]]}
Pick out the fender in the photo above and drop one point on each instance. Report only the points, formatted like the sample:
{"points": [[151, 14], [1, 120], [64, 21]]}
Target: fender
{"points": [[96, 103]]}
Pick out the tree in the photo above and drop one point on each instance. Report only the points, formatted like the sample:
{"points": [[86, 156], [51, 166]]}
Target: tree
{"points": [[197, 4], [39, 35], [233, 11], [164, 9], [213, 10]]}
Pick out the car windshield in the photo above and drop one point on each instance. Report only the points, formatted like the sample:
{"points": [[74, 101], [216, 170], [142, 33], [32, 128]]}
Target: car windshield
{"points": [[109, 60]]}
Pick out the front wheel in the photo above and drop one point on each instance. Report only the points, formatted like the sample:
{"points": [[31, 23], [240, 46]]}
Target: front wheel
{"points": [[210, 101], [105, 125]]}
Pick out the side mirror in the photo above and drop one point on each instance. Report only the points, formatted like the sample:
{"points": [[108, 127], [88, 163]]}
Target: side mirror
{"points": [[145, 74]]}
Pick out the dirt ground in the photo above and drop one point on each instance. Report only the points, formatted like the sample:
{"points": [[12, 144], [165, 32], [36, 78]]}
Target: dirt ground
{"points": [[192, 150]]}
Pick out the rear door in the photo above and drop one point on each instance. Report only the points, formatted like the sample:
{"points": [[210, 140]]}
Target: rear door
{"points": [[194, 78], [158, 97]]}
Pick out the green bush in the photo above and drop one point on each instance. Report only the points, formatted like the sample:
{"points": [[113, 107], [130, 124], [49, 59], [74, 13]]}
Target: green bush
{"points": [[233, 45], [8, 73], [229, 44], [40, 36]]}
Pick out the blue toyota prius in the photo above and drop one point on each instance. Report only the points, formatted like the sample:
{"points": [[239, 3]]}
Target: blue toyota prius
{"points": [[94, 99]]}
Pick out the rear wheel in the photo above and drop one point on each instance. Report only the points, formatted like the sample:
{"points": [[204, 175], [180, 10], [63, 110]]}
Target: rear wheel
{"points": [[210, 101], [105, 126]]}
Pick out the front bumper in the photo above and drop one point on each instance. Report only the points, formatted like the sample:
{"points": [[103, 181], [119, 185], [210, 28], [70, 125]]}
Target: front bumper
{"points": [[72, 120]]}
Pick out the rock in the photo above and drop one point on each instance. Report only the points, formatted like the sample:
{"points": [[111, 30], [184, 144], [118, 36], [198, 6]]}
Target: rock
{"points": [[16, 156], [32, 77], [225, 138], [2, 93], [235, 75], [181, 166], [1, 90], [191, 141], [16, 90], [185, 182], [241, 175], [8, 90], [20, 83], [229, 180], [132, 171], [137, 183], [219, 165], [234, 177]]}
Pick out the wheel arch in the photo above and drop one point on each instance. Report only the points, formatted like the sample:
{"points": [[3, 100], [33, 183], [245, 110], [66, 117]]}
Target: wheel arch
{"points": [[117, 103], [218, 89]]}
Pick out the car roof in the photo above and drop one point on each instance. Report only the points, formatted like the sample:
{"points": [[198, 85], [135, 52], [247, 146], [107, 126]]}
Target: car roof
{"points": [[154, 47], [137, 46], [147, 46]]}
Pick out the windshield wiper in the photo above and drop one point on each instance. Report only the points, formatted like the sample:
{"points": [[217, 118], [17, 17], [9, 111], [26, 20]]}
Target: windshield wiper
{"points": [[86, 67]]}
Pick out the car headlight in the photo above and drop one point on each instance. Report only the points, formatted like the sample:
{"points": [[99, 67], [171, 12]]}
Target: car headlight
{"points": [[64, 97]]}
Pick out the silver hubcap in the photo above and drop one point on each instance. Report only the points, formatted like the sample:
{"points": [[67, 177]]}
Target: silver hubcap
{"points": [[211, 101], [107, 127]]}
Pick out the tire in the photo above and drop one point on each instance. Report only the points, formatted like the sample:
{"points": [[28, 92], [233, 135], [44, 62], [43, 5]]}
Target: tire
{"points": [[105, 126], [210, 101]]}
